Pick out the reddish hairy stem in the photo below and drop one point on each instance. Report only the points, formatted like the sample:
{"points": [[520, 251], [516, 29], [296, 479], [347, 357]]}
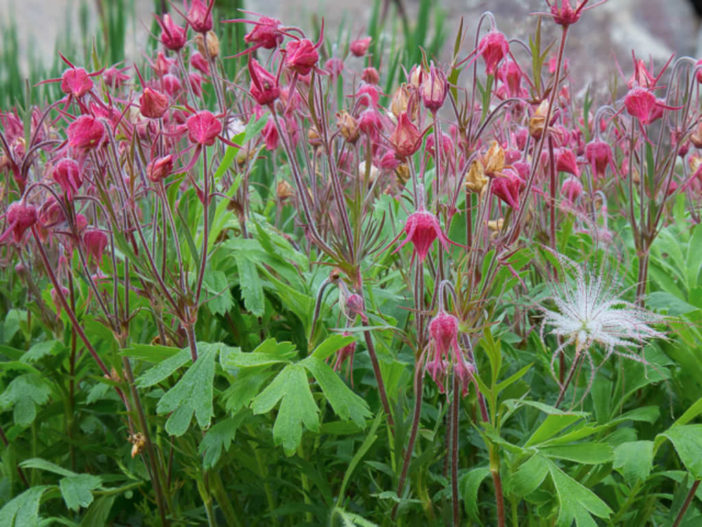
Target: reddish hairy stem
{"points": [[688, 500]]}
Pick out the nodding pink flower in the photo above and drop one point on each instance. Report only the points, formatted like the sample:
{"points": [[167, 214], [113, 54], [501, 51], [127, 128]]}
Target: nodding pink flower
{"points": [[95, 242], [334, 66], [265, 34], [85, 133], [359, 47], [199, 63], [367, 95], [301, 56], [115, 77], [422, 228], [599, 155], [370, 123], [173, 36], [270, 135], [506, 186], [443, 330], [171, 84], [345, 354], [388, 161], [643, 104], [20, 217], [163, 64], [406, 139], [160, 168], [564, 15], [67, 174], [203, 128], [153, 104], [571, 189], [370, 75], [446, 145], [76, 82], [493, 47], [433, 88], [195, 81], [566, 161], [200, 15], [264, 86], [511, 76]]}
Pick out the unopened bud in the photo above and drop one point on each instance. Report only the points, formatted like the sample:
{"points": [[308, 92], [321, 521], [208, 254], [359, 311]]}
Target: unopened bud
{"points": [[537, 123], [348, 126], [283, 190], [402, 102], [212, 49]]}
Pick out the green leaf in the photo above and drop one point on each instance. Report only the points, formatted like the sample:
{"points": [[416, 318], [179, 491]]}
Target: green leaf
{"points": [[77, 491], [529, 476], [634, 460], [23, 510], [297, 406], [586, 453], [331, 345], [99, 512], [469, 485], [687, 440], [346, 404], [42, 464], [41, 350], [671, 304], [267, 353], [552, 425], [371, 436], [163, 369], [218, 439], [192, 394], [245, 387], [23, 394], [250, 283], [219, 298], [152, 353], [577, 503]]}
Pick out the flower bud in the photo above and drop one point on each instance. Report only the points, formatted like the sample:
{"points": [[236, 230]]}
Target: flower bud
{"points": [[95, 242], [76, 82], [370, 75], [406, 138], [571, 189], [153, 104], [283, 190], [160, 168], [359, 47], [173, 36], [401, 100], [348, 126], [493, 47], [67, 174], [313, 136], [85, 133], [433, 89], [537, 123], [20, 217], [203, 128], [301, 56], [265, 34], [200, 15], [212, 48], [476, 179], [264, 86], [494, 160]]}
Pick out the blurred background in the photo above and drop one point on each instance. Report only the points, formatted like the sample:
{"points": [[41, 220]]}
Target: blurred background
{"points": [[34, 30]]}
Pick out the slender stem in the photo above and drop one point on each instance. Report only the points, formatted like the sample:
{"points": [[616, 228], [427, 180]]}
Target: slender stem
{"points": [[205, 226], [571, 372], [6, 442], [497, 481], [552, 200], [454, 453], [688, 500]]}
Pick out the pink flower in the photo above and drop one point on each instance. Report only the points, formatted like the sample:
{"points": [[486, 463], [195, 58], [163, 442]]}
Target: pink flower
{"points": [[493, 47], [422, 228], [359, 47], [264, 86], [564, 15], [301, 56], [67, 174], [115, 77], [566, 161], [76, 82], [334, 66], [571, 189], [199, 63], [445, 350], [95, 242], [153, 104], [160, 168], [370, 75], [173, 36], [433, 88], [85, 133], [599, 155], [200, 15], [507, 187], [20, 217], [203, 128], [367, 95], [265, 34], [171, 84], [643, 104], [270, 135], [406, 139]]}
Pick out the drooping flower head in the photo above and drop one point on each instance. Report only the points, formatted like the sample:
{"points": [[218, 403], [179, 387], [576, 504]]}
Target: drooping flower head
{"points": [[173, 36], [264, 86], [359, 47], [76, 82], [422, 228], [406, 138], [301, 56], [20, 217], [493, 47], [68, 176], [266, 33], [85, 133], [445, 351], [203, 128]]}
